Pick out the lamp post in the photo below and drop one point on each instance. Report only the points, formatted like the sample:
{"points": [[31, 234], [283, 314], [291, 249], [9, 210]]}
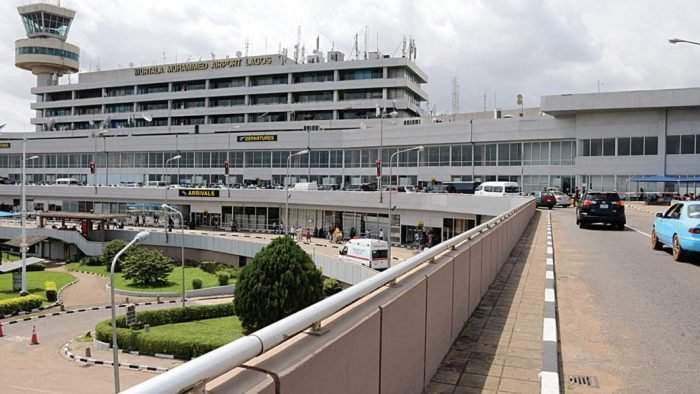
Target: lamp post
{"points": [[381, 114], [389, 208], [680, 40], [165, 163], [115, 348], [286, 188], [94, 154], [182, 246], [23, 242]]}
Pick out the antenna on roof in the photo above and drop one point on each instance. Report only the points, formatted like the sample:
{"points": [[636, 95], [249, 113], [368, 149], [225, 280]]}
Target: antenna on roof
{"points": [[213, 56], [297, 46], [356, 48], [318, 38], [365, 48], [247, 45], [455, 95], [403, 46]]}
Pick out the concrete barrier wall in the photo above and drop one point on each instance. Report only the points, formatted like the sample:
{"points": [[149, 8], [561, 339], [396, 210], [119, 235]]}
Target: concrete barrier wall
{"points": [[393, 340]]}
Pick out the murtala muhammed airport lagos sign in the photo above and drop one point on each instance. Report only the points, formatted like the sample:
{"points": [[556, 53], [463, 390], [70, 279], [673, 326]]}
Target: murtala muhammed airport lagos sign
{"points": [[202, 66]]}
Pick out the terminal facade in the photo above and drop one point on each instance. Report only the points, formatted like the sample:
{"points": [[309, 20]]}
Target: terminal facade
{"points": [[235, 121]]}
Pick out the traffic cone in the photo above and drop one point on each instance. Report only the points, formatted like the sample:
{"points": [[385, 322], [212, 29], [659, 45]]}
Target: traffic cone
{"points": [[35, 339], [1, 333]]}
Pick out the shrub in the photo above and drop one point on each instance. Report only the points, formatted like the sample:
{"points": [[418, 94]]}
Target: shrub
{"points": [[280, 280], [196, 283], [331, 286], [36, 267], [132, 340], [147, 267], [223, 278], [51, 291], [26, 303], [210, 266], [92, 261], [110, 250]]}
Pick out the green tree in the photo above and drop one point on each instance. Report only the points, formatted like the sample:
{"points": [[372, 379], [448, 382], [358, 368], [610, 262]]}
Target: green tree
{"points": [[147, 267], [110, 250], [280, 280]]}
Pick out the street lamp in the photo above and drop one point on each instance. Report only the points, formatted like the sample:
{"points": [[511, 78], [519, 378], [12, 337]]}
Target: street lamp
{"points": [[381, 114], [115, 347], [23, 242], [680, 40], [182, 247], [165, 164], [286, 187], [100, 133], [389, 208]]}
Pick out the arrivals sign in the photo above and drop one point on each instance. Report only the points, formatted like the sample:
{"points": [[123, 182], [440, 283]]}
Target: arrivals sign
{"points": [[5, 145], [198, 192], [203, 66], [258, 138]]}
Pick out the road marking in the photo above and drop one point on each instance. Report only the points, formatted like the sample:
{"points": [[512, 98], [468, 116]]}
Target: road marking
{"points": [[550, 261], [550, 250], [549, 382], [549, 295], [549, 330], [638, 230], [549, 274]]}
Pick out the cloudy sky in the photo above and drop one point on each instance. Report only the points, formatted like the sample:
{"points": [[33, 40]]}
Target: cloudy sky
{"points": [[497, 48]]}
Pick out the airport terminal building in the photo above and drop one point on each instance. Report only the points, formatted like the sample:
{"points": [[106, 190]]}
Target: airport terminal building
{"points": [[235, 121]]}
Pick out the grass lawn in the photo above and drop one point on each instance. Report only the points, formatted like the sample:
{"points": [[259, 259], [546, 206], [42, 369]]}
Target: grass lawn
{"points": [[35, 282], [216, 332], [174, 279], [7, 257]]}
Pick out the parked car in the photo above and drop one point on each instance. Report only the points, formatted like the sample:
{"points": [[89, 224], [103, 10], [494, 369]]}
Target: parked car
{"points": [[601, 207], [678, 227], [543, 199], [562, 199], [498, 189]]}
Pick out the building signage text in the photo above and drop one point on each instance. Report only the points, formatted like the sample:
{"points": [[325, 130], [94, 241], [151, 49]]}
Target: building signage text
{"points": [[202, 66], [5, 145], [199, 193], [258, 138]]}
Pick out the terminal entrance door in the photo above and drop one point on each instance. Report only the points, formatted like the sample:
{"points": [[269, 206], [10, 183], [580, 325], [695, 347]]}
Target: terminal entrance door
{"points": [[206, 219]]}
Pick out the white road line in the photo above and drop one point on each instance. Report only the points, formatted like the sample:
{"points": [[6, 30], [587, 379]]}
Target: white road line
{"points": [[549, 330], [550, 250], [549, 383], [638, 231], [549, 295], [549, 261], [549, 274]]}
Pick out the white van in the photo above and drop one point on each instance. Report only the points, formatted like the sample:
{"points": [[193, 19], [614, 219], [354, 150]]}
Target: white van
{"points": [[498, 189], [371, 253], [67, 181], [305, 187]]}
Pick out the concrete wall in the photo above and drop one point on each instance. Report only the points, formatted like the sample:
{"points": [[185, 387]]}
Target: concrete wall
{"points": [[393, 340]]}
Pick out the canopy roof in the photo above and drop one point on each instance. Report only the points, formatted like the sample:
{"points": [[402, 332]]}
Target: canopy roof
{"points": [[666, 178]]}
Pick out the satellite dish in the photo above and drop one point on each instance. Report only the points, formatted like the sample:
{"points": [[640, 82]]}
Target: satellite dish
{"points": [[148, 118], [2, 125]]}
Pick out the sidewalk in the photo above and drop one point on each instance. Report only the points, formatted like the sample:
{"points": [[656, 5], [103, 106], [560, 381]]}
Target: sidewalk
{"points": [[500, 349]]}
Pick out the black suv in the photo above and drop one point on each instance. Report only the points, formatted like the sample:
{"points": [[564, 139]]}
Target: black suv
{"points": [[600, 207]]}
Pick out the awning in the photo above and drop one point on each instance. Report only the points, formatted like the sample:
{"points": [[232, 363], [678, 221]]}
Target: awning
{"points": [[81, 215], [666, 178], [31, 241], [15, 265]]}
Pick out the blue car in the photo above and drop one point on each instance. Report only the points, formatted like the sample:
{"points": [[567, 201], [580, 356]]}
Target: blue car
{"points": [[678, 227]]}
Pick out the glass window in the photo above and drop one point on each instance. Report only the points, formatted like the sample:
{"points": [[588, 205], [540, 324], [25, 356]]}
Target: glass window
{"points": [[673, 143], [596, 147], [609, 147], [651, 145], [623, 146], [503, 154], [336, 159], [586, 148], [687, 144], [637, 147]]}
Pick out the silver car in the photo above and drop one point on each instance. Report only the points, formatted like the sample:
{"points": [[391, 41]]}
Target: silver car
{"points": [[562, 199]]}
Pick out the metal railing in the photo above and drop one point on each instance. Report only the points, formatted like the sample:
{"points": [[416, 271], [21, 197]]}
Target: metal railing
{"points": [[202, 369]]}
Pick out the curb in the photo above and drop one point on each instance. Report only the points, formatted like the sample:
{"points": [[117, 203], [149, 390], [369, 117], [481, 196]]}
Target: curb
{"points": [[60, 291], [65, 351], [549, 376], [41, 308], [91, 308]]}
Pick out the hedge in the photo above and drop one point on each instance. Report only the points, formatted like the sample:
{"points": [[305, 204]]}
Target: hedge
{"points": [[130, 340], [26, 303]]}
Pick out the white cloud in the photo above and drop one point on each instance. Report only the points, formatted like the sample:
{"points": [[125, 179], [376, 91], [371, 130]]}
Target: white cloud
{"points": [[495, 47]]}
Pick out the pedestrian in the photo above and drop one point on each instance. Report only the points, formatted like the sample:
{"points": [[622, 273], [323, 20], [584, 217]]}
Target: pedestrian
{"points": [[381, 234]]}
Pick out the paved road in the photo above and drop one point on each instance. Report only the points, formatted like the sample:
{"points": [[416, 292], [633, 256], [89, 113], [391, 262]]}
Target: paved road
{"points": [[628, 315], [42, 369]]}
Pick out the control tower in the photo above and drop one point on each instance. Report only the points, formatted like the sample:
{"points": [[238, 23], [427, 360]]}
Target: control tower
{"points": [[45, 51]]}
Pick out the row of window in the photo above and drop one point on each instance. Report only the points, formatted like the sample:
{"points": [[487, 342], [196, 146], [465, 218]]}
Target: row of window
{"points": [[48, 51], [222, 83], [683, 144], [457, 155], [621, 146]]}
